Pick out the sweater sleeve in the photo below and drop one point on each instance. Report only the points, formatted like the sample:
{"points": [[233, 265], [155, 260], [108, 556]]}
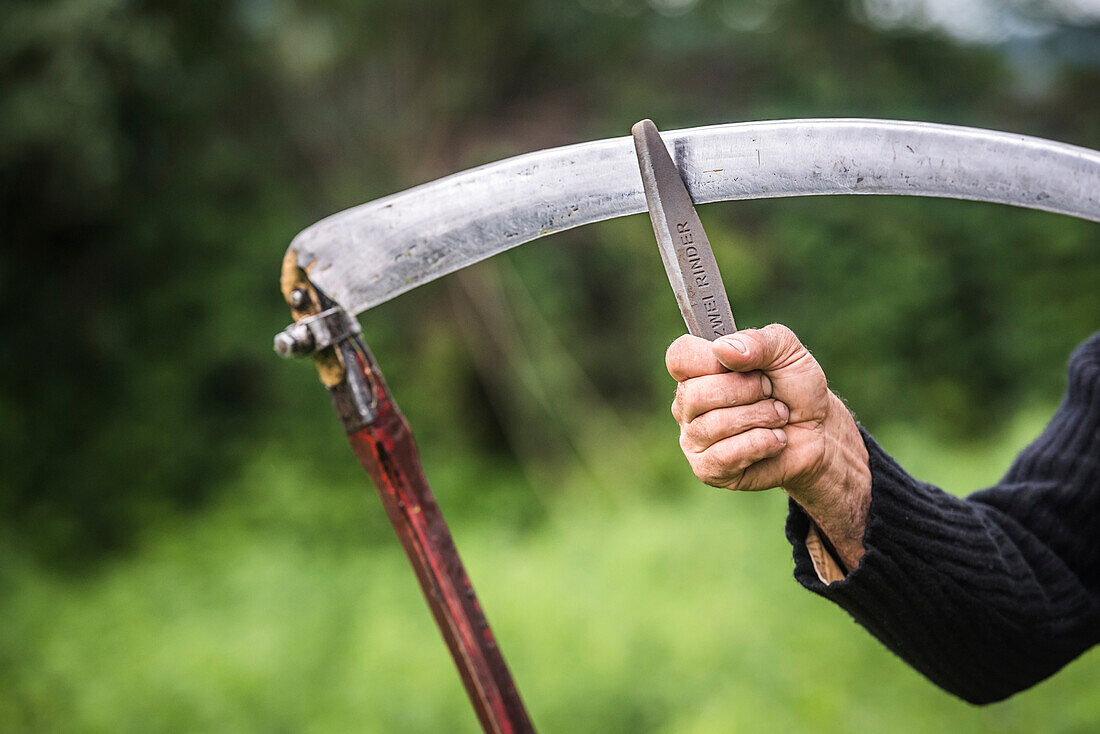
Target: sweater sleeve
{"points": [[990, 594]]}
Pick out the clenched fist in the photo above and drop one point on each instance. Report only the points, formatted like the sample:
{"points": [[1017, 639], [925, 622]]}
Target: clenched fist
{"points": [[756, 412]]}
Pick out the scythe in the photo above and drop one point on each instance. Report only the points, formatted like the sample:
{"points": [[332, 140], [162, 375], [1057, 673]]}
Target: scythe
{"points": [[366, 255]]}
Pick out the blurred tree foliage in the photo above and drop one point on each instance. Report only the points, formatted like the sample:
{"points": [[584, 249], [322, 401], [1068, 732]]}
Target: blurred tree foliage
{"points": [[156, 156]]}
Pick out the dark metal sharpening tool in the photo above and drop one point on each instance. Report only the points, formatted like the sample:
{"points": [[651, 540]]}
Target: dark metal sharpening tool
{"points": [[684, 246]]}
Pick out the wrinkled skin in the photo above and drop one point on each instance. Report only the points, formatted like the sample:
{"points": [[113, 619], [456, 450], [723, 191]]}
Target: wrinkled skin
{"points": [[755, 412]]}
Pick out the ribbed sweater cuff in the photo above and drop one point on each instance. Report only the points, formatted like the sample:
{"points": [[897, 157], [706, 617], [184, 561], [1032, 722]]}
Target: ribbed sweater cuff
{"points": [[988, 595], [897, 500], [913, 531]]}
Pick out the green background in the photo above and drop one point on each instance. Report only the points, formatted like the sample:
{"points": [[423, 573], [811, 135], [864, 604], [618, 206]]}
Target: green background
{"points": [[186, 543]]}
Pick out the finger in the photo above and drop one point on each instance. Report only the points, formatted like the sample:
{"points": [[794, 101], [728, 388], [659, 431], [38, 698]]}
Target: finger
{"points": [[691, 356], [764, 474], [723, 463], [709, 392], [771, 348], [716, 425]]}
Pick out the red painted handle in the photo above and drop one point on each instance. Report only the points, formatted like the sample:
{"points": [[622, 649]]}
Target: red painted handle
{"points": [[387, 451]]}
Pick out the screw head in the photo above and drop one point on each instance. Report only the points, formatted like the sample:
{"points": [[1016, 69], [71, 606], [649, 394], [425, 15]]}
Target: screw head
{"points": [[298, 298], [295, 340], [284, 345]]}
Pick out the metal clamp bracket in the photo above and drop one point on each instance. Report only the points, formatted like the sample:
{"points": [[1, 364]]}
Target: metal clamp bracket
{"points": [[312, 334]]}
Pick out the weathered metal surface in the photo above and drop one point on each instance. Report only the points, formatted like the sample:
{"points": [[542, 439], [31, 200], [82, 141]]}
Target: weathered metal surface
{"points": [[685, 249], [370, 253]]}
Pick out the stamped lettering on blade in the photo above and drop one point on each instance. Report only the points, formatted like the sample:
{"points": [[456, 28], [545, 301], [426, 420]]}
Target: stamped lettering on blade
{"points": [[710, 305], [695, 261], [698, 277]]}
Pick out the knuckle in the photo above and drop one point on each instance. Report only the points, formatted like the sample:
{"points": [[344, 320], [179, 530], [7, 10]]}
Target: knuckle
{"points": [[729, 452], [708, 471], [700, 432], [743, 462], [734, 460], [779, 330], [784, 337], [703, 476], [686, 395]]}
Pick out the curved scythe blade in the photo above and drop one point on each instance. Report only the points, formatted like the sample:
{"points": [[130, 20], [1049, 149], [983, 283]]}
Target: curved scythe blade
{"points": [[368, 254]]}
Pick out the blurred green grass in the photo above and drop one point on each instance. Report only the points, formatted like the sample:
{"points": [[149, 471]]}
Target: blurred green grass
{"points": [[628, 607]]}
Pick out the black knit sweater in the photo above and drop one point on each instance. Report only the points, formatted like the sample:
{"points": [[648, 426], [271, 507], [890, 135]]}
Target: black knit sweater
{"points": [[990, 594]]}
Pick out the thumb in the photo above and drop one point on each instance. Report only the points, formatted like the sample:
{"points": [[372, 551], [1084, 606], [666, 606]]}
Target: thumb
{"points": [[771, 348]]}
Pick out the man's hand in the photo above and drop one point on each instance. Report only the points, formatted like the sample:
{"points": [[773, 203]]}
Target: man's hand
{"points": [[755, 412]]}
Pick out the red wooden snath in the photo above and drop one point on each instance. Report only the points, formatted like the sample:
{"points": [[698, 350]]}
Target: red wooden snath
{"points": [[387, 451], [382, 440]]}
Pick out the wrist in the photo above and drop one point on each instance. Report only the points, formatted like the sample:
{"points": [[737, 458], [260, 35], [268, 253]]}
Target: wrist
{"points": [[837, 493]]}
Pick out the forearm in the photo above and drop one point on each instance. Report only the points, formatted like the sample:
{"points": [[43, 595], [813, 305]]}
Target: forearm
{"points": [[966, 595]]}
